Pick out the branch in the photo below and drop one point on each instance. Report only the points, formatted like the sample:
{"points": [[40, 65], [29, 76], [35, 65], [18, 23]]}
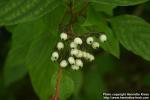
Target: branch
{"points": [[75, 15], [61, 26]]}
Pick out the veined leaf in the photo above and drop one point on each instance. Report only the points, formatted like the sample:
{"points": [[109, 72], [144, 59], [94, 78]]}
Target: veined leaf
{"points": [[77, 78], [70, 84], [66, 85], [22, 36], [112, 44], [133, 33], [104, 7], [38, 61], [40, 66], [97, 23], [120, 2], [17, 11]]}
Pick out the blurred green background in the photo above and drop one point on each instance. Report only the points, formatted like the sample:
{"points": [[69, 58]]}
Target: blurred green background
{"points": [[130, 73]]}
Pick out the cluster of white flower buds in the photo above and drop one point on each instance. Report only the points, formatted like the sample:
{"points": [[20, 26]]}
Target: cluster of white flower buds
{"points": [[76, 55]]}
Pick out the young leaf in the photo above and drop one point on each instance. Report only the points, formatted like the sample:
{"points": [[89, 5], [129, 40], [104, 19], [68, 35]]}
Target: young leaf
{"points": [[17, 11], [120, 2], [133, 33]]}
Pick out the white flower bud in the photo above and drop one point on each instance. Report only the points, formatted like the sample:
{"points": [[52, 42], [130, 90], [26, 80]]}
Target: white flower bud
{"points": [[71, 60], [95, 45], [80, 54], [75, 67], [60, 45], [74, 52], [79, 62], [53, 59], [55, 55], [89, 40], [84, 54], [91, 58], [73, 45], [88, 55], [78, 40], [103, 38], [63, 36], [63, 63]]}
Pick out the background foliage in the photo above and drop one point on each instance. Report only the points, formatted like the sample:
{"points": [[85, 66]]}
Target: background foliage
{"points": [[29, 30]]}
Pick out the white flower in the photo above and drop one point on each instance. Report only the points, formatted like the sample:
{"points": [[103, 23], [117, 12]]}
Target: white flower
{"points": [[88, 55], [75, 67], [91, 58], [60, 45], [79, 62], [78, 40], [103, 38], [95, 45], [74, 52], [63, 63], [63, 36], [80, 54], [55, 55], [73, 45], [89, 40], [84, 54], [53, 59], [71, 60]]}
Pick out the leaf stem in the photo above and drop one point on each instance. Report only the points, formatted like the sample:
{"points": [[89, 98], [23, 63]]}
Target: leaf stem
{"points": [[57, 93], [74, 16]]}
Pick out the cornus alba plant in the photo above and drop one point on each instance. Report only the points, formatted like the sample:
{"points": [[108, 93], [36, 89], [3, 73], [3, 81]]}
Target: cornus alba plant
{"points": [[77, 48], [34, 25]]}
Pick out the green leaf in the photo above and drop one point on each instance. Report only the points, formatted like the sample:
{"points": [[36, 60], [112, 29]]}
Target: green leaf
{"points": [[93, 18], [74, 84], [98, 24], [39, 65], [112, 44], [70, 83], [18, 11], [22, 36], [78, 28], [104, 7], [66, 85], [38, 59], [77, 78], [120, 2], [133, 33]]}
